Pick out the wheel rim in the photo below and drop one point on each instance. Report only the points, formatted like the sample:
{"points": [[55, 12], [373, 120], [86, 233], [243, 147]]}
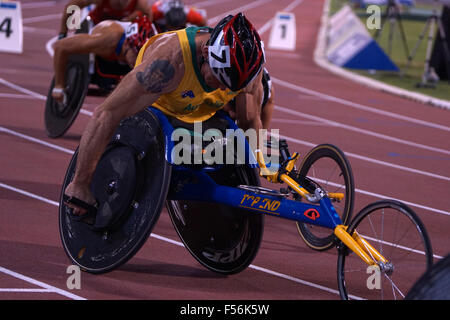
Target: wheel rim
{"points": [[327, 168], [397, 233]]}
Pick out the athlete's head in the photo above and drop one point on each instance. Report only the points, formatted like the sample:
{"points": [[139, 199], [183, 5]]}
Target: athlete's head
{"points": [[175, 16], [137, 34], [140, 31], [235, 52]]}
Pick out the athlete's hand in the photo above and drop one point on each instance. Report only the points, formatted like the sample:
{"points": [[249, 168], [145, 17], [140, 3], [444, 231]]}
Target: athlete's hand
{"points": [[81, 192]]}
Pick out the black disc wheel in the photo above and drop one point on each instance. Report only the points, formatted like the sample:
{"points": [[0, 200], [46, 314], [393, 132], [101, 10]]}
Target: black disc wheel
{"points": [[58, 116], [326, 167], [223, 239], [396, 232], [130, 185]]}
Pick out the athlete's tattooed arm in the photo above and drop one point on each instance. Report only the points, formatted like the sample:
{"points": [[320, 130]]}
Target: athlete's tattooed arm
{"points": [[156, 76]]}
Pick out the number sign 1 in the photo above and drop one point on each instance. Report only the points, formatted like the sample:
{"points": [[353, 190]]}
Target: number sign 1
{"points": [[11, 31], [283, 34]]}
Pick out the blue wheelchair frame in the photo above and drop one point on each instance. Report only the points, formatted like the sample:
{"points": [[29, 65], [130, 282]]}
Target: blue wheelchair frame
{"points": [[194, 184]]}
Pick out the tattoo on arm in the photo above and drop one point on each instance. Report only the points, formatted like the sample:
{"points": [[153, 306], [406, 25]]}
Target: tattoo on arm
{"points": [[156, 76]]}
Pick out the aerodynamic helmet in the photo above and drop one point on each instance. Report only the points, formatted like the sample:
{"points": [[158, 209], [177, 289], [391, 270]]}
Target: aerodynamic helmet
{"points": [[235, 52]]}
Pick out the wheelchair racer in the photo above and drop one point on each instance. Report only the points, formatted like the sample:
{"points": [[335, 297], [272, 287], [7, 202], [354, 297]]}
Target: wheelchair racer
{"points": [[173, 15], [111, 40], [214, 67], [125, 10]]}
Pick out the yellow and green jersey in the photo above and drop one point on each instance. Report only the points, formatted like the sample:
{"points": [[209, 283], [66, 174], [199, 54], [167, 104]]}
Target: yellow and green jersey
{"points": [[193, 100]]}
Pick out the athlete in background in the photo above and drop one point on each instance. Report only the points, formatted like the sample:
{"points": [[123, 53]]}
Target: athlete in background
{"points": [[111, 40], [173, 15]]}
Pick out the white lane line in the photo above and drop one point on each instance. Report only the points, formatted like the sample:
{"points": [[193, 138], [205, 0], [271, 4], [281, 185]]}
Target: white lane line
{"points": [[15, 96], [22, 89], [28, 194], [361, 131], [41, 31], [32, 94], [382, 196], [302, 122], [35, 140], [269, 23], [22, 290], [177, 243], [371, 160], [34, 5], [46, 17], [358, 105], [399, 246], [307, 283], [248, 6], [41, 284]]}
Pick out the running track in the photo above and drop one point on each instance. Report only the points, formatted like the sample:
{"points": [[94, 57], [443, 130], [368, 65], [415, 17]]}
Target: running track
{"points": [[397, 148]]}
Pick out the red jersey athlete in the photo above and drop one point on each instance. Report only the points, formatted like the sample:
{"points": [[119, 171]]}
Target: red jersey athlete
{"points": [[173, 15], [110, 40], [125, 10]]}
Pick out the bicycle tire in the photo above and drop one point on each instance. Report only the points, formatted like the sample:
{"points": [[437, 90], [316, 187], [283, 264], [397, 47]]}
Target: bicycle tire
{"points": [[385, 212], [327, 239]]}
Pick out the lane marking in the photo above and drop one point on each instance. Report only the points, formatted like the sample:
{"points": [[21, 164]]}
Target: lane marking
{"points": [[371, 160], [382, 196], [22, 290], [22, 89], [46, 17], [28, 194], [358, 106], [361, 131], [35, 140], [34, 5], [246, 7], [269, 23], [41, 284]]}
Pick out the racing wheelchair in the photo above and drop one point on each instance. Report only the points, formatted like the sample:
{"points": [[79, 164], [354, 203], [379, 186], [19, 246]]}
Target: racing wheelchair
{"points": [[81, 71], [218, 209]]}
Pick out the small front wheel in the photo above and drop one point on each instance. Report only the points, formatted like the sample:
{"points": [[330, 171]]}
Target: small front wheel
{"points": [[326, 166], [397, 233]]}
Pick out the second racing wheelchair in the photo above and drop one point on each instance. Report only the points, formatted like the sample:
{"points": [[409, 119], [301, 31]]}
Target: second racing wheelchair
{"points": [[82, 71]]}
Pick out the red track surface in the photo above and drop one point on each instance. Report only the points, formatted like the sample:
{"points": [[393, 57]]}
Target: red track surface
{"points": [[31, 254]]}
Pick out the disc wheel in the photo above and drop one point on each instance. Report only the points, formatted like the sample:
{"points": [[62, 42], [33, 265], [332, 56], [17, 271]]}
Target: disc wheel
{"points": [[326, 167], [123, 181], [59, 117], [397, 233], [223, 239]]}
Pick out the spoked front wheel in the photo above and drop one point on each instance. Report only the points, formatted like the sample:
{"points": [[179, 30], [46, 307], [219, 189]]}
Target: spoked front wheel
{"points": [[326, 167], [397, 233]]}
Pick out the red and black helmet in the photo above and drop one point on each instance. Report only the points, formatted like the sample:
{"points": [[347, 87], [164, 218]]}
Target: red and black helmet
{"points": [[235, 52], [140, 30]]}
